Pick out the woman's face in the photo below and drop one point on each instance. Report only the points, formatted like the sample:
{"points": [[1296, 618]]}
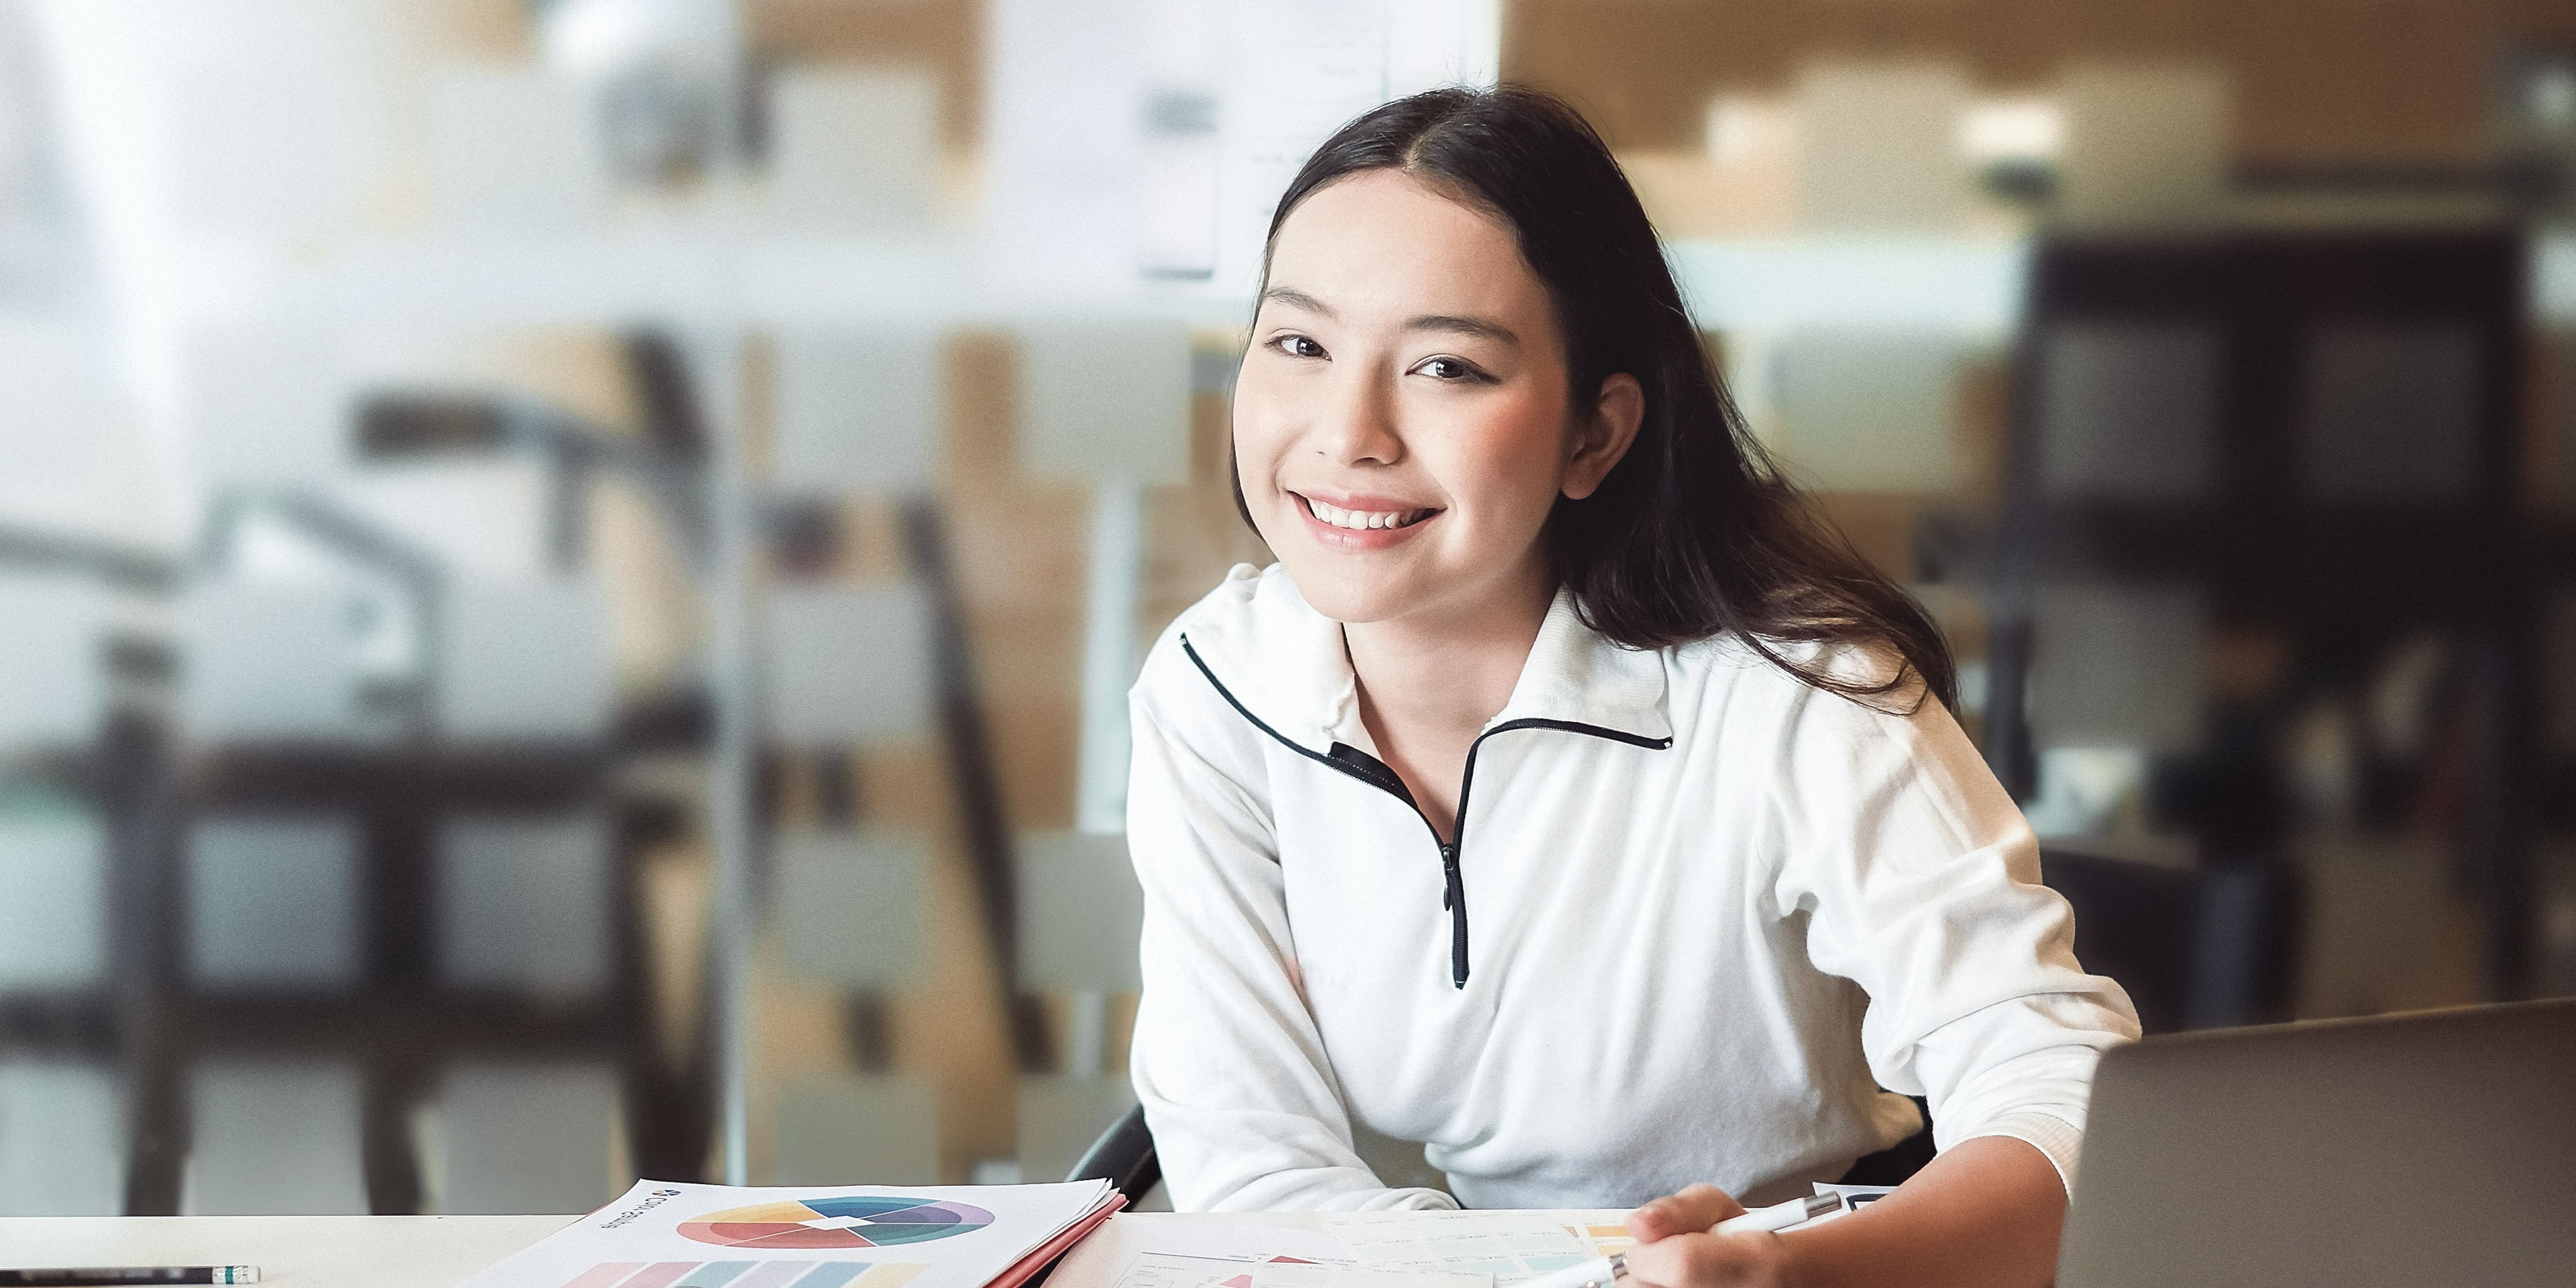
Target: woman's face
{"points": [[1401, 424]]}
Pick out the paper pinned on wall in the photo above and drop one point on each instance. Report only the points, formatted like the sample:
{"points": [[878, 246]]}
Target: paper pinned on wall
{"points": [[1149, 140], [1510, 1246], [1300, 72]]}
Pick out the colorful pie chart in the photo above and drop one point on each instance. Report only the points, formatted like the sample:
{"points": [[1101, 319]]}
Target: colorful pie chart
{"points": [[858, 1221]]}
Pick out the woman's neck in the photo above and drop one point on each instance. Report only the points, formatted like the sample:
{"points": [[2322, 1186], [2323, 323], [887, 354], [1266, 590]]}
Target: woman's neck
{"points": [[1428, 682]]}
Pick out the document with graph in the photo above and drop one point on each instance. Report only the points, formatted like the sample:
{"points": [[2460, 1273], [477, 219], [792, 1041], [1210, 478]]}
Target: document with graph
{"points": [[1509, 1246], [672, 1235], [1163, 1270], [1441, 1249]]}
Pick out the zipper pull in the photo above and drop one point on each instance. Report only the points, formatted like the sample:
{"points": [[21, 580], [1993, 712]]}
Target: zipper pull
{"points": [[1454, 898]]}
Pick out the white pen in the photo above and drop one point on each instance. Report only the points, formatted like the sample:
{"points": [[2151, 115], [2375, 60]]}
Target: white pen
{"points": [[1601, 1272], [1780, 1216]]}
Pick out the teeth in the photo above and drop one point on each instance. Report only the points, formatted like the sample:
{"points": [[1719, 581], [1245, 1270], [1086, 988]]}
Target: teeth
{"points": [[1341, 518]]}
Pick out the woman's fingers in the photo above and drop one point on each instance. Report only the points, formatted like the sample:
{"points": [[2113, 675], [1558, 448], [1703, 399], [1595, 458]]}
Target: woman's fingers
{"points": [[1675, 1250], [1706, 1261], [1692, 1211]]}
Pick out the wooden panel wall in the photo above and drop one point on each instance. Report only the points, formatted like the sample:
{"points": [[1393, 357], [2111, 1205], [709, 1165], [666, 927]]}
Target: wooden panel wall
{"points": [[2319, 81]]}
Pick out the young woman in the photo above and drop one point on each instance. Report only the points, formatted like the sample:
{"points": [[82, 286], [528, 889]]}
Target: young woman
{"points": [[1567, 797]]}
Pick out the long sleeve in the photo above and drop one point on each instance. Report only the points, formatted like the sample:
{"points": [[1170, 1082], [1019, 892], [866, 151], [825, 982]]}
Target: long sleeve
{"points": [[1921, 883], [1244, 1107]]}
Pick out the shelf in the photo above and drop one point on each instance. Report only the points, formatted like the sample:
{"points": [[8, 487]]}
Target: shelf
{"points": [[742, 275], [434, 776], [686, 277], [717, 276], [1975, 285]]}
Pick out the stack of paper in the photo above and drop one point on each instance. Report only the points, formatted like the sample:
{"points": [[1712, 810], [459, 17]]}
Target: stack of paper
{"points": [[1444, 1249], [1376, 1249], [1509, 1246], [1167, 1270], [672, 1235]]}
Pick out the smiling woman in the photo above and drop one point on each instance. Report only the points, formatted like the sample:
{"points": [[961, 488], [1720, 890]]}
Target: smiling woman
{"points": [[1402, 431], [1741, 886]]}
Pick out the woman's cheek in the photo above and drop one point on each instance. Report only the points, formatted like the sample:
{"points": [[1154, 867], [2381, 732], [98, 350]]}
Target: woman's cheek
{"points": [[1514, 465], [1256, 462]]}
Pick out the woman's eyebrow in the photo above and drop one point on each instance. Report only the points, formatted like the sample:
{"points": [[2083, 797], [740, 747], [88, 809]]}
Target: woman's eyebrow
{"points": [[1297, 299], [1455, 323], [1452, 322]]}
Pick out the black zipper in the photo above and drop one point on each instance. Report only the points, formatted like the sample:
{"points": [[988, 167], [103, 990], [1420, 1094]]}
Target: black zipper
{"points": [[1376, 773]]}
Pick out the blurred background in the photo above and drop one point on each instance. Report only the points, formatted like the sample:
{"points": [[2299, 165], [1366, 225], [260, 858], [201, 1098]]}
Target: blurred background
{"points": [[568, 568]]}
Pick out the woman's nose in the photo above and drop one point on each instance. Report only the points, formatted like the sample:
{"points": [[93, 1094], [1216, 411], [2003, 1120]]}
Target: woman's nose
{"points": [[1358, 426]]}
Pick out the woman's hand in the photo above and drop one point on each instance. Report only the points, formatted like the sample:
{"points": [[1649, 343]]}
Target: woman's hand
{"points": [[1675, 1250], [1985, 1214]]}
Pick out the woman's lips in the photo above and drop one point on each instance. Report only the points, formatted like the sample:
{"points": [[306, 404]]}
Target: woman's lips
{"points": [[1376, 527]]}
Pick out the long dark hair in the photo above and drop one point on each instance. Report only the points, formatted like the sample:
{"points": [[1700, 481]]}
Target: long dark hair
{"points": [[1694, 533]]}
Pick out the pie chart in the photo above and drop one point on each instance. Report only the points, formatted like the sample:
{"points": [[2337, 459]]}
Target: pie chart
{"points": [[857, 1221]]}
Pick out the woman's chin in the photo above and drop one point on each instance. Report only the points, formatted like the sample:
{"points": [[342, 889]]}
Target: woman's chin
{"points": [[1332, 587]]}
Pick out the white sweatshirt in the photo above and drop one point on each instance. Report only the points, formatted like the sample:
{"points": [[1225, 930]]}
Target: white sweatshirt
{"points": [[1698, 916]]}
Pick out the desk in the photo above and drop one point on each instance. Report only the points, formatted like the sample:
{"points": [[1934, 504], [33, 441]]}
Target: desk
{"points": [[436, 1251], [305, 1251]]}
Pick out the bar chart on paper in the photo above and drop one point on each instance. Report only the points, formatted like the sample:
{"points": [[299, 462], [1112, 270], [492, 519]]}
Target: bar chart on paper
{"points": [[743, 1274]]}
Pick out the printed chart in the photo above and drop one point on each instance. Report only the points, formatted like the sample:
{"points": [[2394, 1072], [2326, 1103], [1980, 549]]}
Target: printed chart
{"points": [[1606, 1240], [744, 1274], [675, 1234], [855, 1221]]}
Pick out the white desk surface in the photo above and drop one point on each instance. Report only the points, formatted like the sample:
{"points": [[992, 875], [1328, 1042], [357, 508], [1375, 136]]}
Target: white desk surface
{"points": [[305, 1251], [436, 1251]]}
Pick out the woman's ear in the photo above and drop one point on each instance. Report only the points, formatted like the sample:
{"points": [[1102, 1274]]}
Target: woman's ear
{"points": [[1600, 439]]}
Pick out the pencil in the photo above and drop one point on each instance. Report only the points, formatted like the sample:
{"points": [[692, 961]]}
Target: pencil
{"points": [[82, 1277]]}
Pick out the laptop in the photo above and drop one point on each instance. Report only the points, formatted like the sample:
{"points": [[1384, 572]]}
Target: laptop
{"points": [[2430, 1148]]}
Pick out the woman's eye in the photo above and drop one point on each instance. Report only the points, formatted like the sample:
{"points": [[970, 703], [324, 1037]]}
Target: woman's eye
{"points": [[1298, 346], [1446, 369]]}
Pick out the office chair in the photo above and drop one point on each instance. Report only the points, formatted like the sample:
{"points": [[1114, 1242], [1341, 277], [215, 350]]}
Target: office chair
{"points": [[1122, 1156]]}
